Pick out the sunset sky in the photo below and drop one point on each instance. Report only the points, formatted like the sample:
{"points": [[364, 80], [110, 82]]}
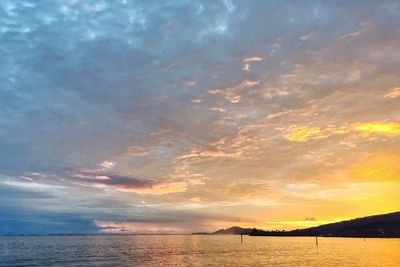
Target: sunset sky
{"points": [[182, 116]]}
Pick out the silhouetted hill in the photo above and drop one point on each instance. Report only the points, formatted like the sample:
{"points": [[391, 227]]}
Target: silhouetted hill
{"points": [[386, 225], [235, 230]]}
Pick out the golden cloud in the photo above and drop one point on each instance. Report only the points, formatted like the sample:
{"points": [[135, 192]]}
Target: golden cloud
{"points": [[306, 133], [380, 128], [303, 134]]}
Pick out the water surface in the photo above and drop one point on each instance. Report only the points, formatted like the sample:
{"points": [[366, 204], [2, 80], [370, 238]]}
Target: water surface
{"points": [[187, 250]]}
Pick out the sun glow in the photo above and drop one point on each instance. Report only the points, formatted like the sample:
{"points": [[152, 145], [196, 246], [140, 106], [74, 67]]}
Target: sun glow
{"points": [[378, 168]]}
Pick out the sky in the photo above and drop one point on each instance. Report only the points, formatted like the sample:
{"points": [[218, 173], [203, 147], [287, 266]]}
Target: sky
{"points": [[182, 116]]}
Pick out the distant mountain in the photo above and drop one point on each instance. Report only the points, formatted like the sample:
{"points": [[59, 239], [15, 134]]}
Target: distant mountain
{"points": [[386, 225], [235, 230]]}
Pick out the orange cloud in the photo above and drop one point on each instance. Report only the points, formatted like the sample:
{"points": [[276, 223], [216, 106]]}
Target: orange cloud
{"points": [[394, 93], [157, 189]]}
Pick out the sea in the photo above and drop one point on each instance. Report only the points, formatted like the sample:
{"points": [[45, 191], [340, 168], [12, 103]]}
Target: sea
{"points": [[196, 250]]}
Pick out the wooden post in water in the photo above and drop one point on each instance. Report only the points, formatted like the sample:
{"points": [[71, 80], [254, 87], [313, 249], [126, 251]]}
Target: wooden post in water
{"points": [[364, 239], [241, 238], [316, 240]]}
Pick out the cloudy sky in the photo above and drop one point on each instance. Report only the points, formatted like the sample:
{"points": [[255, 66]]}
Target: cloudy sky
{"points": [[180, 116]]}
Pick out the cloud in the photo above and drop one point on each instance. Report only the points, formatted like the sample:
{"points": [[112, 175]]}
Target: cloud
{"points": [[355, 34], [110, 227], [305, 133], [197, 100], [394, 93], [107, 164], [388, 128], [246, 67], [126, 183], [155, 189], [252, 59], [248, 60], [310, 219], [302, 134]]}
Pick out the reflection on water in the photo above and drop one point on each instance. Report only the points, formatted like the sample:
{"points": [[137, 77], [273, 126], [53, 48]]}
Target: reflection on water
{"points": [[187, 250]]}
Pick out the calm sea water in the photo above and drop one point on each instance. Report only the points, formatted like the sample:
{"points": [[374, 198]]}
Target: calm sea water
{"points": [[187, 250]]}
